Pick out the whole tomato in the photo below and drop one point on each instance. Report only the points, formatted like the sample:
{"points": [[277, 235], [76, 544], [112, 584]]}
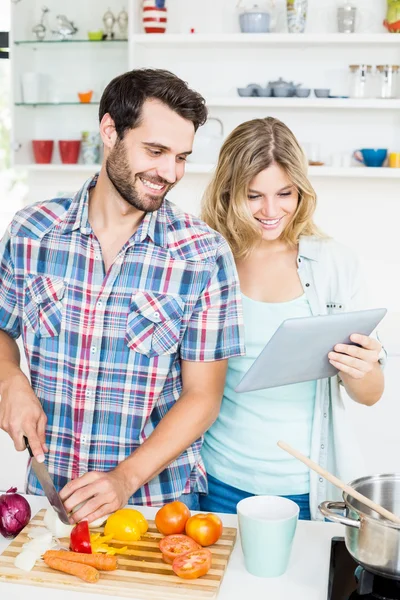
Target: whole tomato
{"points": [[204, 529], [172, 517]]}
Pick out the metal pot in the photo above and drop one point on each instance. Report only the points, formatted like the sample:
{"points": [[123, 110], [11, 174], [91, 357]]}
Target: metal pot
{"points": [[372, 541]]}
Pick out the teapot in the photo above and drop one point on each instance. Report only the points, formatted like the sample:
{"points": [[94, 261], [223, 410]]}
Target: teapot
{"points": [[282, 88], [207, 143], [256, 16]]}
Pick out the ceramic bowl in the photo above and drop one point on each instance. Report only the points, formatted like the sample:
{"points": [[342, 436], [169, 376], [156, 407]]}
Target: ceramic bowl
{"points": [[265, 92], [282, 92], [246, 92], [85, 97], [95, 36], [302, 92], [322, 92]]}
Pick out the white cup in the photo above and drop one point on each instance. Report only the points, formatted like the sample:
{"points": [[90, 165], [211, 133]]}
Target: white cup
{"points": [[341, 160], [34, 88]]}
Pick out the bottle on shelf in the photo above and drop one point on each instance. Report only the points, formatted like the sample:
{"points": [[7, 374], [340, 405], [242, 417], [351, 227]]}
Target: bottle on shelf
{"points": [[388, 81], [361, 84]]}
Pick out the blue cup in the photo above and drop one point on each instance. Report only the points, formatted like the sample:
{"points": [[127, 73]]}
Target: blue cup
{"points": [[267, 526], [371, 157]]}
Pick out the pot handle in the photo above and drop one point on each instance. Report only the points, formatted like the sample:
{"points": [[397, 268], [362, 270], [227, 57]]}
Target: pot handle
{"points": [[327, 509]]}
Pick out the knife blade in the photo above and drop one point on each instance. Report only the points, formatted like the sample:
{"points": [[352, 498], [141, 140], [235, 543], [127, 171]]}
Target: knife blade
{"points": [[47, 484]]}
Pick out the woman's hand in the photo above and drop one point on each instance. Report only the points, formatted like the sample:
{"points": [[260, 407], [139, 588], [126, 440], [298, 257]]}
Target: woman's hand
{"points": [[356, 361]]}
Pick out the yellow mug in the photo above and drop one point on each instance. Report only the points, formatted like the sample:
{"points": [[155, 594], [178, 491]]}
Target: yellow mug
{"points": [[394, 160]]}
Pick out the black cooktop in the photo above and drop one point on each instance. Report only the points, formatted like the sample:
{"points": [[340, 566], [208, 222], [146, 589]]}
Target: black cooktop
{"points": [[349, 581]]}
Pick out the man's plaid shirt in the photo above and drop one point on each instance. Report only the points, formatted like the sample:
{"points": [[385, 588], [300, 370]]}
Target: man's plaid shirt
{"points": [[104, 349]]}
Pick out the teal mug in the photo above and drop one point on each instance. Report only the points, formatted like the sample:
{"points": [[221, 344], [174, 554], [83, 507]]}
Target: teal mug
{"points": [[371, 157], [267, 526]]}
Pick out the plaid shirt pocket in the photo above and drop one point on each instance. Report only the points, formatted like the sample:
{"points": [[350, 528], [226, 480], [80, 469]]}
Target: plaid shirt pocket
{"points": [[42, 305], [154, 323]]}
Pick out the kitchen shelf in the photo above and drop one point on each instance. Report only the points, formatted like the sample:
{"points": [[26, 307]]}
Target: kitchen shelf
{"points": [[238, 102], [54, 167], [59, 167], [342, 103], [193, 168], [40, 43], [355, 172], [266, 39], [55, 103]]}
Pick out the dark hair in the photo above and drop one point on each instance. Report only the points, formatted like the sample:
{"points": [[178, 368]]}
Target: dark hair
{"points": [[125, 95]]}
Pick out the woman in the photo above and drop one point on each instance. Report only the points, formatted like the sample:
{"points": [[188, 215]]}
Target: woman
{"points": [[262, 202]]}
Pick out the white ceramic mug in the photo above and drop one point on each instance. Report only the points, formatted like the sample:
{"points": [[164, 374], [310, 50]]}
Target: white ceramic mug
{"points": [[34, 87]]}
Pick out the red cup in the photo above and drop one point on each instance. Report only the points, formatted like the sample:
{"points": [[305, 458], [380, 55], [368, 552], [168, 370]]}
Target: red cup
{"points": [[43, 151], [69, 151]]}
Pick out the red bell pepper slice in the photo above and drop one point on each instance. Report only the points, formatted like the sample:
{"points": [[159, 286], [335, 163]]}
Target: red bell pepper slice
{"points": [[80, 538]]}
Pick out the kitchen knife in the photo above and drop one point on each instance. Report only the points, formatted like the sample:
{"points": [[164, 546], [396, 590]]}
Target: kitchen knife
{"points": [[45, 481]]}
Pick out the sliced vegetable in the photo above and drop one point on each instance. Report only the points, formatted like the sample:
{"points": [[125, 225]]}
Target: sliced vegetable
{"points": [[173, 546], [98, 522], [57, 527], [193, 564], [205, 529], [172, 517], [79, 540], [126, 525], [38, 532], [15, 513], [93, 524], [40, 544], [26, 560], [98, 561], [85, 572]]}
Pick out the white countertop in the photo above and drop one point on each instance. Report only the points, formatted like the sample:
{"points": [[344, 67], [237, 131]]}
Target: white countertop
{"points": [[305, 579]]}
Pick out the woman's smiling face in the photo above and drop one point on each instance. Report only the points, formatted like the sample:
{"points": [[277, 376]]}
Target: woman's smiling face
{"points": [[273, 201]]}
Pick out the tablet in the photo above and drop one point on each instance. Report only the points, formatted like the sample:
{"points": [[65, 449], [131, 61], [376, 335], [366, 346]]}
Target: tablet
{"points": [[298, 350]]}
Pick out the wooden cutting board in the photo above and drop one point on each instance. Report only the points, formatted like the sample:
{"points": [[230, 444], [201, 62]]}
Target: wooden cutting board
{"points": [[143, 575]]}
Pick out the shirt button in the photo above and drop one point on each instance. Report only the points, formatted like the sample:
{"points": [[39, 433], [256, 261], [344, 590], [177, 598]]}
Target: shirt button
{"points": [[99, 303], [89, 393], [84, 439], [321, 480], [97, 256], [307, 285], [93, 349], [322, 446], [325, 415], [156, 315]]}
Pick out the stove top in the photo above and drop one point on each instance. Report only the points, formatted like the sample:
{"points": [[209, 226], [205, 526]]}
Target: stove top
{"points": [[349, 581]]}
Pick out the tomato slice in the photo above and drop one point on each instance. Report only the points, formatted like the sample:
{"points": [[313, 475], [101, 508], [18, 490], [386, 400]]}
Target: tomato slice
{"points": [[173, 546], [193, 564], [80, 538]]}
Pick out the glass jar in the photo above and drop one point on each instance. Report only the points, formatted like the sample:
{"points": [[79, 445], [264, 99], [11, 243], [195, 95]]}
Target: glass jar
{"points": [[388, 76], [360, 81]]}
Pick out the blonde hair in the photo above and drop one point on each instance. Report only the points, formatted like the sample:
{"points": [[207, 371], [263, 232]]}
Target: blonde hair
{"points": [[252, 147]]}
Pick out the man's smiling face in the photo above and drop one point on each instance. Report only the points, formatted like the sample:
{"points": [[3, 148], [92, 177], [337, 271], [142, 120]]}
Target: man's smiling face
{"points": [[151, 158]]}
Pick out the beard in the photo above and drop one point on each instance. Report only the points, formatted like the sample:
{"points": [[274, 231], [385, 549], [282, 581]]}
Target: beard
{"points": [[120, 175]]}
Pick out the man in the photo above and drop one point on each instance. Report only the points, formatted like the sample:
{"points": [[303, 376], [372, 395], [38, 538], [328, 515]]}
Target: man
{"points": [[128, 310]]}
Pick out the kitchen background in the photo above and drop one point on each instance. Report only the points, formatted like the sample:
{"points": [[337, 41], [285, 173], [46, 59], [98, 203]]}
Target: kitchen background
{"points": [[58, 74]]}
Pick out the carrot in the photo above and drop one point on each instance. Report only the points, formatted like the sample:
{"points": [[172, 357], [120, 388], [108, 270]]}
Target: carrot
{"points": [[85, 572], [98, 561]]}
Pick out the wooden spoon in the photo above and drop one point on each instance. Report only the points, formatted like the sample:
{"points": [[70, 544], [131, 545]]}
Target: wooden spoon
{"points": [[340, 484]]}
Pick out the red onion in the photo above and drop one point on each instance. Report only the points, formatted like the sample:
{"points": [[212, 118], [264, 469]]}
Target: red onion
{"points": [[15, 513]]}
